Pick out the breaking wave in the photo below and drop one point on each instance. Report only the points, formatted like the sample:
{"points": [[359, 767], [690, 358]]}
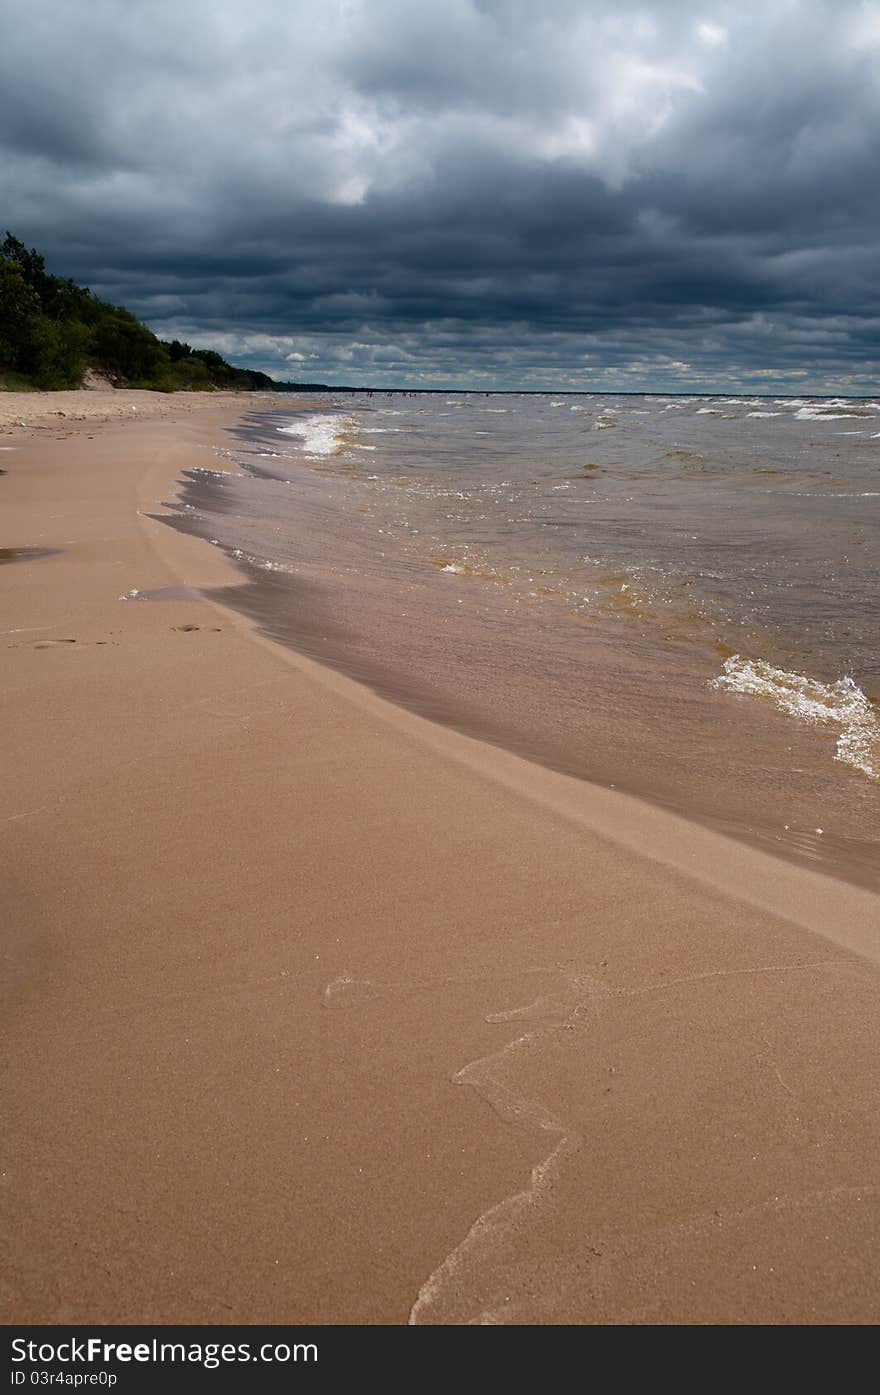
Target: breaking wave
{"points": [[321, 435], [841, 704]]}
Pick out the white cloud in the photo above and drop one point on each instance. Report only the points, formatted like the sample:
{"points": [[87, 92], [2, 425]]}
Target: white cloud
{"points": [[713, 35]]}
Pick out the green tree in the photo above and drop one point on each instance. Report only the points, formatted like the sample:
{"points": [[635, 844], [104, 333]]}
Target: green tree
{"points": [[51, 329]]}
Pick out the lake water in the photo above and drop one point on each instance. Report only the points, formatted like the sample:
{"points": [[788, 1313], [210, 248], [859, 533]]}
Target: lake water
{"points": [[677, 597]]}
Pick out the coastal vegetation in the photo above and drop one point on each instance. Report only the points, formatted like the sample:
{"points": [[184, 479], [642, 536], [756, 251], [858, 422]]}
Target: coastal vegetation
{"points": [[54, 331]]}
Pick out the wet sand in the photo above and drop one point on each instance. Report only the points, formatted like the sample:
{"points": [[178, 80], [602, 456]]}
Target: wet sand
{"points": [[434, 584], [317, 1011]]}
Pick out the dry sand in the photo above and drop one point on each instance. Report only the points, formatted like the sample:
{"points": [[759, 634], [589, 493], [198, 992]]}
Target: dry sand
{"points": [[316, 1011], [41, 411]]}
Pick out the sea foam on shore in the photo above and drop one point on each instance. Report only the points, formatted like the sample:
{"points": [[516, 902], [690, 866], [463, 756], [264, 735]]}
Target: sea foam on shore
{"points": [[841, 704]]}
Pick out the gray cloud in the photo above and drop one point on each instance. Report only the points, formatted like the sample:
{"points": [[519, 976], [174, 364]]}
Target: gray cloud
{"points": [[492, 192]]}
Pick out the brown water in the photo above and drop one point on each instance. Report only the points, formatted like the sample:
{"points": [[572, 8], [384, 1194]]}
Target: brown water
{"points": [[571, 577]]}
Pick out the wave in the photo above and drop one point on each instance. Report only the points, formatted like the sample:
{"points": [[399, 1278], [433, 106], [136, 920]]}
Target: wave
{"points": [[820, 414], [841, 704], [321, 435]]}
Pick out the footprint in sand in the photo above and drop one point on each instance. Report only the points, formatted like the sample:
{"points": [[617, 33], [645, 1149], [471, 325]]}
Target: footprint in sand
{"points": [[26, 554], [58, 643]]}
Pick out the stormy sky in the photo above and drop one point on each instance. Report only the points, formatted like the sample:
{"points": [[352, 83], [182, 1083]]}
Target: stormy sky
{"points": [[571, 193]]}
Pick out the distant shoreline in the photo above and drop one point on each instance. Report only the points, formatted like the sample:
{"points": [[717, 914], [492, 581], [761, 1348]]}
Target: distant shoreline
{"points": [[293, 390]]}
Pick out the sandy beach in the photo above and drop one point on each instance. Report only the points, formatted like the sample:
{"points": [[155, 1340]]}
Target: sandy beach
{"points": [[317, 1011], [43, 412]]}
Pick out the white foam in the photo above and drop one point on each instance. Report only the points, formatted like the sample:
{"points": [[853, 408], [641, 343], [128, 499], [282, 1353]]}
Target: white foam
{"points": [[841, 704], [320, 434], [818, 414], [262, 562], [763, 414], [709, 412]]}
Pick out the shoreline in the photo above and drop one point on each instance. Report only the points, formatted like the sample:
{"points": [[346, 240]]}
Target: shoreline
{"points": [[733, 866], [258, 910], [302, 600]]}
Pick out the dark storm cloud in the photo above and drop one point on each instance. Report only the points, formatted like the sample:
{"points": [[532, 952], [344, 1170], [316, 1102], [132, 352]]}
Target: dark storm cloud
{"points": [[470, 191]]}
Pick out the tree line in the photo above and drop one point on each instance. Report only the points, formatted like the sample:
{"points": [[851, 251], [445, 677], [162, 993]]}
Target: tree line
{"points": [[52, 330]]}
